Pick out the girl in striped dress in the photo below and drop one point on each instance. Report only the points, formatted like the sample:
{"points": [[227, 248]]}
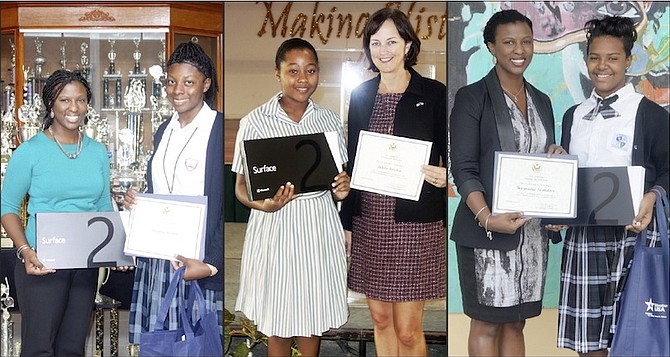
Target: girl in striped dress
{"points": [[293, 274]]}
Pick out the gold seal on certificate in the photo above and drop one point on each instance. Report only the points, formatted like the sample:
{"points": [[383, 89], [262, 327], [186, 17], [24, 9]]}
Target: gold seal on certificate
{"points": [[162, 226], [390, 165], [535, 185]]}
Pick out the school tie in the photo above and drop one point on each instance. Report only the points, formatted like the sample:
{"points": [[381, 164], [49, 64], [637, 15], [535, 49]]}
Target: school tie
{"points": [[603, 107]]}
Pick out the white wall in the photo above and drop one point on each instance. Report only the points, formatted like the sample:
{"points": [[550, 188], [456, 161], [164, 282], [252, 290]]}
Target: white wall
{"points": [[249, 59]]}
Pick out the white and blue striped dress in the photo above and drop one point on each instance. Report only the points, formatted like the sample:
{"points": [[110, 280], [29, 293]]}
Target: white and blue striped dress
{"points": [[293, 274]]}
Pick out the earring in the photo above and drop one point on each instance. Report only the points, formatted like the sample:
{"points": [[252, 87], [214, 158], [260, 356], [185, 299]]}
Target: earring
{"points": [[495, 60], [51, 114]]}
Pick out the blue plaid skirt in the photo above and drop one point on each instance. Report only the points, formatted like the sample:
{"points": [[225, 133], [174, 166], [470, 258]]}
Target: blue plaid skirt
{"points": [[594, 267], [152, 278]]}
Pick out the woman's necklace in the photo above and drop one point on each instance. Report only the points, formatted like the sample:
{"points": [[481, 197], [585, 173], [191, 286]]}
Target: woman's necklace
{"points": [[514, 96], [174, 169], [69, 156]]}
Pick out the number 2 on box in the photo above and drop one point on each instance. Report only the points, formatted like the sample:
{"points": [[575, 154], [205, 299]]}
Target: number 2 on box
{"points": [[110, 234], [615, 189], [317, 150]]}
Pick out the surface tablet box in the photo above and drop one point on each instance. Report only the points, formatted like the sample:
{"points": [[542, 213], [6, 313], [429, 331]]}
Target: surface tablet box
{"points": [[606, 196], [81, 240], [304, 160]]}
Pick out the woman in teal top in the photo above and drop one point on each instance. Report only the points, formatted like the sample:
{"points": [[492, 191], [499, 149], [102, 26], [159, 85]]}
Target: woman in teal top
{"points": [[62, 170]]}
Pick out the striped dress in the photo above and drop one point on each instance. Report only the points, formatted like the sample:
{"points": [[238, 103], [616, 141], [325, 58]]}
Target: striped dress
{"points": [[293, 274]]}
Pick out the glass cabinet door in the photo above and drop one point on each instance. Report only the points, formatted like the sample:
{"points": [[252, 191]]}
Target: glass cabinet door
{"points": [[125, 70]]}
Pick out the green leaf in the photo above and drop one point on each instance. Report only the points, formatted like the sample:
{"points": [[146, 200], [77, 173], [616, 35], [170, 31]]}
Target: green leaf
{"points": [[241, 350]]}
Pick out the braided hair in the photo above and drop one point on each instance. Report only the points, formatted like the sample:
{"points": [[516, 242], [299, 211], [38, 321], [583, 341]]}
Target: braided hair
{"points": [[193, 54], [54, 86], [622, 28]]}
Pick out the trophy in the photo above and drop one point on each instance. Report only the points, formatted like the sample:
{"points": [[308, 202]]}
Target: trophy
{"points": [[12, 66], [29, 115], [161, 108], [8, 128], [111, 55], [95, 127], [27, 87], [134, 101], [85, 69], [137, 73], [39, 59], [6, 325], [63, 55], [136, 56], [161, 55], [111, 99], [156, 71], [125, 176]]}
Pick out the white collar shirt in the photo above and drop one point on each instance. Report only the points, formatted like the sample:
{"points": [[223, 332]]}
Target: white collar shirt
{"points": [[604, 142], [178, 166]]}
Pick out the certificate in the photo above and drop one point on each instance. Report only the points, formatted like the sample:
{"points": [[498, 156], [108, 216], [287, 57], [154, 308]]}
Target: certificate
{"points": [[535, 185], [390, 165], [162, 226], [80, 240]]}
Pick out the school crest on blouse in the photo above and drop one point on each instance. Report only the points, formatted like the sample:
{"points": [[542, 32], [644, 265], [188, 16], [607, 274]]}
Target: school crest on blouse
{"points": [[620, 141]]}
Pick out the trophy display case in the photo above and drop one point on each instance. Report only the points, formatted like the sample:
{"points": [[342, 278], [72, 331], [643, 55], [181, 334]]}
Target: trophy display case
{"points": [[121, 48]]}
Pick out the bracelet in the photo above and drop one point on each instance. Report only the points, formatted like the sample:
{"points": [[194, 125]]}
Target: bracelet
{"points": [[20, 250], [489, 234], [480, 211]]}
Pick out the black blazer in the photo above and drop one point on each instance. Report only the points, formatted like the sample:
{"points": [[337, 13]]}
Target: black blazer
{"points": [[420, 114], [650, 142], [479, 126]]}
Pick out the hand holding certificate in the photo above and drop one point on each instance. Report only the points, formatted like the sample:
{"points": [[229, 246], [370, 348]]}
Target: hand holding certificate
{"points": [[162, 226], [390, 165]]}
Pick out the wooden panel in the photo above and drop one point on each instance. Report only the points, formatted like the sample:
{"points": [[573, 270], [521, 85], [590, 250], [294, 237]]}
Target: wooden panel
{"points": [[93, 16], [230, 127], [207, 17], [10, 18]]}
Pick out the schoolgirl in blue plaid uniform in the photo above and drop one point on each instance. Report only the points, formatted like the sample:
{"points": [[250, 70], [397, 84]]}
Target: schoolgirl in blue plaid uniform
{"points": [[615, 126], [187, 160]]}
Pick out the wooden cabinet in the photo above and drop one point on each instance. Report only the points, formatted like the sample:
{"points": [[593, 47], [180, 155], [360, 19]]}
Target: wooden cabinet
{"points": [[39, 38]]}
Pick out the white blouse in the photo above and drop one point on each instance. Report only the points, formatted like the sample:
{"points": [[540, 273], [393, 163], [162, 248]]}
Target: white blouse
{"points": [[605, 142], [178, 166]]}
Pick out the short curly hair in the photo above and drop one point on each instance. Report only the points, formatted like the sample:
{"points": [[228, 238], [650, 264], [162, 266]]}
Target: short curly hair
{"points": [[615, 26], [501, 18]]}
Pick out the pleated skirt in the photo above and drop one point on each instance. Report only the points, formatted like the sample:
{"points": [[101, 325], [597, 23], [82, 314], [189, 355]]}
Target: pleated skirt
{"points": [[152, 279], [293, 271]]}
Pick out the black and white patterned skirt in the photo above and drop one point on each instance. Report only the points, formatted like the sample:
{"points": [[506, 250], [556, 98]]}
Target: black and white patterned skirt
{"points": [[505, 286]]}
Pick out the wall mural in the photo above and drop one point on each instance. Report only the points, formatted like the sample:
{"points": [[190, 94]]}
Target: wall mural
{"points": [[557, 68]]}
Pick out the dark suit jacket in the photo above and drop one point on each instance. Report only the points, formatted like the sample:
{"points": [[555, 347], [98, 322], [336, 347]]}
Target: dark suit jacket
{"points": [[420, 114], [214, 193], [479, 126], [650, 142]]}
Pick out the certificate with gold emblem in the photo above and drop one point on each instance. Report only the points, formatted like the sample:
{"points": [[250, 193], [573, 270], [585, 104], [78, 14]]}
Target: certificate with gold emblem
{"points": [[162, 226], [535, 185], [390, 165]]}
